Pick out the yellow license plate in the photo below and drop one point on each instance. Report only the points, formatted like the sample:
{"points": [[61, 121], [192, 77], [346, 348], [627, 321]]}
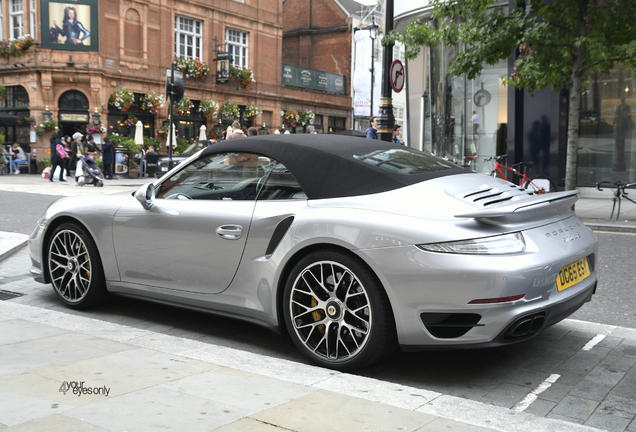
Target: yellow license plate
{"points": [[572, 274]]}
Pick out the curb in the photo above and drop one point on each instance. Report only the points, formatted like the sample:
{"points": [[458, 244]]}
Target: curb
{"points": [[11, 243]]}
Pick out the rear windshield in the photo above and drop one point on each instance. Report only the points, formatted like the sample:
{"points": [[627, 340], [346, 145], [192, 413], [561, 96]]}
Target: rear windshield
{"points": [[405, 161]]}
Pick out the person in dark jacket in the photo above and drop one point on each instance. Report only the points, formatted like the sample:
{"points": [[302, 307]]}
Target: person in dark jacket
{"points": [[372, 131], [56, 159], [108, 157]]}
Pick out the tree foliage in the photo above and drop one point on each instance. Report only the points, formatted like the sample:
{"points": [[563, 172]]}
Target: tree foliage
{"points": [[555, 44]]}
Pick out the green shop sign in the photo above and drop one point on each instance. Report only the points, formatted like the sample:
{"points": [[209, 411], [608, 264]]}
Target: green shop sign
{"points": [[295, 76]]}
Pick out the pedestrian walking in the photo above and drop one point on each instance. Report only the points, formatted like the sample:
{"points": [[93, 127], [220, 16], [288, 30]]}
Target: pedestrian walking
{"points": [[108, 157], [59, 157], [372, 131]]}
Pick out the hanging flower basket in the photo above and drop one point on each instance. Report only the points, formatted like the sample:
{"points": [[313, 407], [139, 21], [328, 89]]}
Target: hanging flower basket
{"points": [[230, 111], [92, 128], [243, 75], [153, 102], [209, 108], [183, 107], [251, 111], [306, 118], [191, 68], [292, 117], [122, 99]]}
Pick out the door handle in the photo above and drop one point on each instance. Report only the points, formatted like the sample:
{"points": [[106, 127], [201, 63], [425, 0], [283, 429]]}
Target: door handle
{"points": [[230, 232]]}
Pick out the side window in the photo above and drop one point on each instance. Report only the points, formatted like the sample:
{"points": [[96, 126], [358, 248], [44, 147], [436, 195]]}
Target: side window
{"points": [[223, 177], [281, 185]]}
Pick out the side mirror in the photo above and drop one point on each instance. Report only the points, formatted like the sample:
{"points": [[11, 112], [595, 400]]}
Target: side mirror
{"points": [[146, 195]]}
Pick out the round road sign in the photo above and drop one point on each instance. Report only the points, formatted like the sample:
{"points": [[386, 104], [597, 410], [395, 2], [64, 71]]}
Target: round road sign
{"points": [[397, 76]]}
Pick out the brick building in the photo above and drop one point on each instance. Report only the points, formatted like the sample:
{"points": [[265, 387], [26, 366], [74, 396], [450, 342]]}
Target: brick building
{"points": [[317, 34], [131, 44]]}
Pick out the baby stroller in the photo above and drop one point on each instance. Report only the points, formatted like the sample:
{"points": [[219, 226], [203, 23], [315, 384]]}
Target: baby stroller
{"points": [[87, 172]]}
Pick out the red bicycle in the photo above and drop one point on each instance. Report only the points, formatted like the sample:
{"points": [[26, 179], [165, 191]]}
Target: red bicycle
{"points": [[538, 185]]}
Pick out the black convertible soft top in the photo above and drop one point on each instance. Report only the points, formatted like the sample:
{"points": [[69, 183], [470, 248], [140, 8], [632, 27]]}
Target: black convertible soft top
{"points": [[333, 166]]}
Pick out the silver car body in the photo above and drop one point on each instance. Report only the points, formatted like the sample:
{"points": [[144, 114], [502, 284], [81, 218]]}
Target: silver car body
{"points": [[214, 256]]}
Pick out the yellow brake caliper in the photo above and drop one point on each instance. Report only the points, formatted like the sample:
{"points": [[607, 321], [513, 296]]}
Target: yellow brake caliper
{"points": [[318, 315]]}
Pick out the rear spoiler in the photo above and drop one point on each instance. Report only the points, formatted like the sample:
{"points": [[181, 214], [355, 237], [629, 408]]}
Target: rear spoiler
{"points": [[549, 204]]}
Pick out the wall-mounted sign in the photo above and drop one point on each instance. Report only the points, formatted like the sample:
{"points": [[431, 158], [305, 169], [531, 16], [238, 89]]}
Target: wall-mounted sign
{"points": [[223, 62], [295, 76], [75, 118], [71, 26]]}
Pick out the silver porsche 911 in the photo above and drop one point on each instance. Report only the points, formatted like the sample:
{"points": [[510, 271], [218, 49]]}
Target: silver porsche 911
{"points": [[351, 246]]}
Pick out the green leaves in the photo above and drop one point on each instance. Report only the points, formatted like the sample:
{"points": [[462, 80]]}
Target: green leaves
{"points": [[544, 37]]}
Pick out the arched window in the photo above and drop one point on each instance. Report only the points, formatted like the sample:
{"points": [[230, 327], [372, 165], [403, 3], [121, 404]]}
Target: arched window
{"points": [[73, 100]]}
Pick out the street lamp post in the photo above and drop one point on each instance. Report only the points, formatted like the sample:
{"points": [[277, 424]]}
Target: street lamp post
{"points": [[386, 119], [373, 34]]}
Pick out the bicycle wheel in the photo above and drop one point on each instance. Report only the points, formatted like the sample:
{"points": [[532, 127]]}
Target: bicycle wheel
{"points": [[540, 184]]}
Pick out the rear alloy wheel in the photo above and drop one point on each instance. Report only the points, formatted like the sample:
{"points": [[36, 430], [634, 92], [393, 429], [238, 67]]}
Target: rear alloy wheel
{"points": [[75, 267], [337, 313]]}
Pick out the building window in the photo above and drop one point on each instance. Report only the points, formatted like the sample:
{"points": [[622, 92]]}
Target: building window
{"points": [[16, 20], [32, 21], [187, 37], [236, 43], [337, 124], [398, 113], [1, 28], [318, 124]]}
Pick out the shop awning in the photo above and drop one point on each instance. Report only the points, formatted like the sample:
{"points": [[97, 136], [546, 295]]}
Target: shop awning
{"points": [[8, 119]]}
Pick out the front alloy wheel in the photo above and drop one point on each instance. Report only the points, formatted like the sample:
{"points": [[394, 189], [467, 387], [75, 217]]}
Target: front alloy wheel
{"points": [[74, 267], [337, 313]]}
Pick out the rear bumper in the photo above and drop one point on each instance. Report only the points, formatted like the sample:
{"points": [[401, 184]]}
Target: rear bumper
{"points": [[526, 326]]}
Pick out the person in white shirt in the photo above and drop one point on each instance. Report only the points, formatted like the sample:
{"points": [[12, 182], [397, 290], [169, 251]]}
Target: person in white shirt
{"points": [[476, 122]]}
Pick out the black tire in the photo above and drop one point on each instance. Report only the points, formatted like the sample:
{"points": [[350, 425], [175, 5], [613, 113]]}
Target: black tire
{"points": [[337, 312], [75, 267], [538, 187]]}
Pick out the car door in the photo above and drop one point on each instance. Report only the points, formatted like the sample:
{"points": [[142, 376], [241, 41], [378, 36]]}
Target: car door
{"points": [[192, 238]]}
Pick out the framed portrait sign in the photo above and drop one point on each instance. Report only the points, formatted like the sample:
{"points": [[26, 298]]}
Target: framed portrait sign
{"points": [[72, 25], [223, 61]]}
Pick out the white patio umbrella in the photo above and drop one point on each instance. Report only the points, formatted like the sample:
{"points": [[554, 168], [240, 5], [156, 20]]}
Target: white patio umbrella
{"points": [[202, 136], [139, 133]]}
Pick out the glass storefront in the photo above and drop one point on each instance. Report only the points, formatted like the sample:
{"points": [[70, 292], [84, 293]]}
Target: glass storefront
{"points": [[467, 117], [607, 141]]}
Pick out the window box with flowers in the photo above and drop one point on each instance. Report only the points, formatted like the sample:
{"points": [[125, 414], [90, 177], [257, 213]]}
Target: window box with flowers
{"points": [[191, 68], [209, 108], [292, 117], [153, 102], [230, 111], [243, 75], [122, 99], [183, 107], [15, 47]]}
